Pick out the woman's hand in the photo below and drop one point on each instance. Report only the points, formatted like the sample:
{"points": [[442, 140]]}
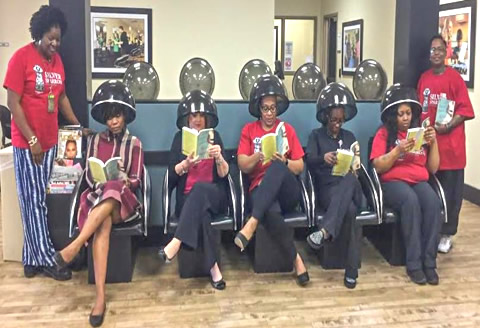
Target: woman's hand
{"points": [[442, 128], [405, 145], [215, 151], [330, 158], [37, 153], [122, 175], [189, 162], [429, 135], [278, 157], [86, 132]]}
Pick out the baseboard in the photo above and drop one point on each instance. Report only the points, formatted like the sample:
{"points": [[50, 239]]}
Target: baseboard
{"points": [[471, 194]]}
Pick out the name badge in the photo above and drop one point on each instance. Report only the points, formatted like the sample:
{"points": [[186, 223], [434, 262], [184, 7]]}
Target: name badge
{"points": [[51, 103]]}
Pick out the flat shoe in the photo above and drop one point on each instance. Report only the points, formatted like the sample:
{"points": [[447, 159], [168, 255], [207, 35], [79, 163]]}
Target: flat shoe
{"points": [[220, 285], [97, 320], [57, 274], [241, 241], [303, 279], [59, 261]]}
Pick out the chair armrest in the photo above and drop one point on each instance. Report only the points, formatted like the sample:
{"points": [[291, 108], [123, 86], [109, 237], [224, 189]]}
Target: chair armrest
{"points": [[147, 196], [370, 191], [311, 189], [305, 199], [233, 200], [75, 203], [378, 187], [165, 202], [437, 187]]}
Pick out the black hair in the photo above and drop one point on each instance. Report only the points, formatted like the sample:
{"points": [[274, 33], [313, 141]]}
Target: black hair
{"points": [[392, 126], [459, 35], [71, 141], [328, 112], [438, 37], [113, 110], [46, 18]]}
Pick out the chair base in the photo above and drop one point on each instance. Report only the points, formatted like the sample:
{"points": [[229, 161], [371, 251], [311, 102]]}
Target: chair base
{"points": [[388, 240], [265, 253], [333, 255], [121, 260], [58, 224], [191, 262]]}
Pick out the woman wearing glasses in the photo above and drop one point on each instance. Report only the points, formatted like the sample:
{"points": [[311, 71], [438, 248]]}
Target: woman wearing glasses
{"points": [[339, 196], [274, 188]]}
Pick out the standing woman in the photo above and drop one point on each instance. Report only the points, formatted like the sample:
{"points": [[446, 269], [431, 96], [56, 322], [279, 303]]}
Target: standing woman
{"points": [[200, 184], [35, 83]]}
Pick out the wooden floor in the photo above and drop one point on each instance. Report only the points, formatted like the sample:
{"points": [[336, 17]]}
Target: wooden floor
{"points": [[158, 298]]}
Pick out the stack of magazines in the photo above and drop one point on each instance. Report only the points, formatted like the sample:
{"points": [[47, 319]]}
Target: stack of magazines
{"points": [[63, 179]]}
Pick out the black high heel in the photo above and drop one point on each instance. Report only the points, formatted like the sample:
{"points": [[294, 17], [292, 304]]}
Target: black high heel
{"points": [[241, 241], [220, 285], [163, 255]]}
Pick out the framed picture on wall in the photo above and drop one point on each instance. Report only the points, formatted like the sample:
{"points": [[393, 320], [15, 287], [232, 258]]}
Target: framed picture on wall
{"points": [[120, 37], [352, 46], [456, 24]]}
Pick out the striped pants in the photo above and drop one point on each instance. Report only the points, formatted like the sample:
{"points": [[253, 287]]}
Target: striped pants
{"points": [[32, 182]]}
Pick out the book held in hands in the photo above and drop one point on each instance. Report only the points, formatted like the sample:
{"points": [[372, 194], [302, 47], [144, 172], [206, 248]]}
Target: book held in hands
{"points": [[445, 110], [417, 134], [196, 142], [102, 172], [70, 142], [347, 160], [274, 143]]}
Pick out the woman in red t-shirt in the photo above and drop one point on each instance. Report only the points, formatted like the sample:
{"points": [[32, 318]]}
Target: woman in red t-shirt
{"points": [[404, 175], [200, 184], [35, 83]]}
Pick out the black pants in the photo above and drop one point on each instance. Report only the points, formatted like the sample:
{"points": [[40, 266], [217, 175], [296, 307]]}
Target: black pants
{"points": [[419, 208], [341, 201], [194, 225], [452, 182], [278, 193]]}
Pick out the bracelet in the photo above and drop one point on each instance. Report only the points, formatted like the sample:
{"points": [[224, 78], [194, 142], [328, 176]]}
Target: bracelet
{"points": [[219, 162], [33, 140]]}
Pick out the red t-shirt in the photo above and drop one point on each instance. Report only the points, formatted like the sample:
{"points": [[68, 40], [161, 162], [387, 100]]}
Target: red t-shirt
{"points": [[201, 172], [451, 146], [250, 144], [33, 78], [409, 168]]}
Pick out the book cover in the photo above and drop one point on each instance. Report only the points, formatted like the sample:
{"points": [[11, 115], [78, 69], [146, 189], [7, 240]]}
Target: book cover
{"points": [[103, 172], [445, 110], [70, 142], [196, 142], [274, 143], [347, 160], [417, 134]]}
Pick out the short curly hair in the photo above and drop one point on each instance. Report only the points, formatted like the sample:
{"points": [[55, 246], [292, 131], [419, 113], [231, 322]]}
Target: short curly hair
{"points": [[46, 18]]}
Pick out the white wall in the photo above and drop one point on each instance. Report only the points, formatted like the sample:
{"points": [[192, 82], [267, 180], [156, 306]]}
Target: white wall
{"points": [[226, 33], [379, 29]]}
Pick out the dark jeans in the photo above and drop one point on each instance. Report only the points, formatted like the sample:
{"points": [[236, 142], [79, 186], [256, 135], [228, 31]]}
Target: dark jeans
{"points": [[452, 182], [419, 208], [194, 225], [278, 193], [341, 201]]}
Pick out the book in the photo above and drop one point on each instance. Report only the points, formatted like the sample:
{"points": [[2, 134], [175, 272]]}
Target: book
{"points": [[347, 160], [276, 142], [196, 142], [445, 110], [102, 172], [70, 142], [417, 134]]}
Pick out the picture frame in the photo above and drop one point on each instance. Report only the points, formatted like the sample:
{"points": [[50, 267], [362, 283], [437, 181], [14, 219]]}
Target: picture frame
{"points": [[352, 46], [457, 24], [119, 37]]}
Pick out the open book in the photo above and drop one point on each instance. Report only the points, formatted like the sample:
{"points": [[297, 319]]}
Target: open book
{"points": [[417, 134], [103, 172], [445, 110], [274, 143], [347, 159], [196, 142], [70, 142]]}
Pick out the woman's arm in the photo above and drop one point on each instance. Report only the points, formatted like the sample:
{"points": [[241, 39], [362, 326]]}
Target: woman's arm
{"points": [[433, 160], [218, 153], [247, 163], [385, 162]]}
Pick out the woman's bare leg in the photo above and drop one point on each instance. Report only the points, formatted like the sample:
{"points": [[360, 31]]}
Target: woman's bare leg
{"points": [[101, 243], [172, 248]]}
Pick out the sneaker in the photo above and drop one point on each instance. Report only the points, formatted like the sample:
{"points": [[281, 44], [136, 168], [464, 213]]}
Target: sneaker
{"points": [[417, 276], [57, 274], [30, 271], [315, 240], [445, 244], [432, 276]]}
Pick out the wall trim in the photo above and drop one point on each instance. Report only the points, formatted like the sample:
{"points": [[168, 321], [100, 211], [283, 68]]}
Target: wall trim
{"points": [[471, 194]]}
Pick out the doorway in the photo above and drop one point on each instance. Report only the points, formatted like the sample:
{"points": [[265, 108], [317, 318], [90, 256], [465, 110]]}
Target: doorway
{"points": [[330, 47]]}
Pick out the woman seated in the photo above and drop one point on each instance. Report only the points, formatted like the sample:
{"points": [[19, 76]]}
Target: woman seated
{"points": [[114, 201], [340, 196], [200, 184], [274, 188], [404, 172]]}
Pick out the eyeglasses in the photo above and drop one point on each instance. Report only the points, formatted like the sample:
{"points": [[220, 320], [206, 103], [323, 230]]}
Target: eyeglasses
{"points": [[335, 120], [438, 49], [265, 109]]}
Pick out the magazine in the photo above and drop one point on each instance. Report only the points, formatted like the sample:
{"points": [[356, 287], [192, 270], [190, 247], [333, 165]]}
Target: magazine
{"points": [[70, 142], [63, 178], [196, 142], [103, 172], [347, 160], [274, 143]]}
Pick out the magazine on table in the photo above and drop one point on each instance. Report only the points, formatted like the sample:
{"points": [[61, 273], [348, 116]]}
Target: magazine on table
{"points": [[196, 142], [276, 142]]}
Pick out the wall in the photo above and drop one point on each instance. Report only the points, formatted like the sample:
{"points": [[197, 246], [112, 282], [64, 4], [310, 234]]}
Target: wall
{"points": [[226, 33], [379, 29]]}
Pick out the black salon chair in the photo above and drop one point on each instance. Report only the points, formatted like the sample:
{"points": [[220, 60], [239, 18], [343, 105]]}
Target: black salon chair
{"points": [[191, 262], [5, 119], [122, 251]]}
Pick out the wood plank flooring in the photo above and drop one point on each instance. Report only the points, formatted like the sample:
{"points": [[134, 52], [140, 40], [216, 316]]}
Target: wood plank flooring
{"points": [[157, 297]]}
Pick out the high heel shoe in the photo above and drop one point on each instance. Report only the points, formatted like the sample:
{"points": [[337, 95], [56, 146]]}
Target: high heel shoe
{"points": [[220, 285], [97, 320], [163, 255], [303, 279], [241, 241]]}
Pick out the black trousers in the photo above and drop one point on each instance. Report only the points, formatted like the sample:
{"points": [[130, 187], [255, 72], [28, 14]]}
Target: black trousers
{"points": [[278, 193], [419, 208], [452, 182], [194, 224], [341, 201]]}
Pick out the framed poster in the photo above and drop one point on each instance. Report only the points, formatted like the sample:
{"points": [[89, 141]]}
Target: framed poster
{"points": [[120, 37], [457, 23], [352, 46]]}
